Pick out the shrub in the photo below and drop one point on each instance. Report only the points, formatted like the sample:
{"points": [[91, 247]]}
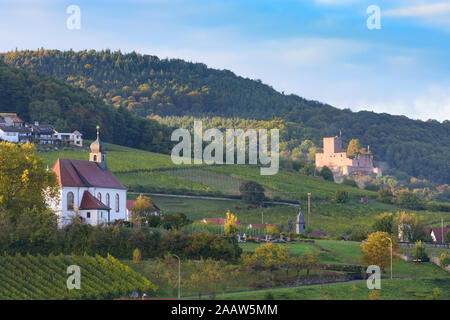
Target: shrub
{"points": [[359, 233], [137, 255], [419, 252], [252, 192], [341, 196], [269, 296], [409, 200], [350, 182], [385, 195], [444, 260], [327, 174]]}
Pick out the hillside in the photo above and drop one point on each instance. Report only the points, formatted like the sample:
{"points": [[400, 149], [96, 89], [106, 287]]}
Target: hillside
{"points": [[148, 86], [37, 97], [143, 171]]}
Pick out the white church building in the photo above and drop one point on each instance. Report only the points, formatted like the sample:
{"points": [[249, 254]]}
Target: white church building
{"points": [[89, 189]]}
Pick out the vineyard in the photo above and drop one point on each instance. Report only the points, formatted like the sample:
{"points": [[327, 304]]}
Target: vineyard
{"points": [[42, 278]]}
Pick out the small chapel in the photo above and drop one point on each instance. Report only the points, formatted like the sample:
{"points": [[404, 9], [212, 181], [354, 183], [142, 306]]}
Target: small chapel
{"points": [[88, 189]]}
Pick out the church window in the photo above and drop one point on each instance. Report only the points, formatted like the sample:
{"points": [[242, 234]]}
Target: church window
{"points": [[70, 201], [117, 202], [107, 199], [88, 215], [99, 196], [95, 157]]}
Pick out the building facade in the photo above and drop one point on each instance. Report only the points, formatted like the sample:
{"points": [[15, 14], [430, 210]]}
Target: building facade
{"points": [[337, 160], [89, 190]]}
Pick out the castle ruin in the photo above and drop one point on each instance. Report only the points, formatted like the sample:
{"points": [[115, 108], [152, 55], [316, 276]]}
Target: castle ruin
{"points": [[337, 160]]}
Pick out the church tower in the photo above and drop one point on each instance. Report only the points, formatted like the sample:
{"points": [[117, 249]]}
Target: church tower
{"points": [[98, 152], [300, 224]]}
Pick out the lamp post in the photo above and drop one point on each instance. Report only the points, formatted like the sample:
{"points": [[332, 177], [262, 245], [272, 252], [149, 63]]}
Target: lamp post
{"points": [[391, 254], [179, 275], [309, 208]]}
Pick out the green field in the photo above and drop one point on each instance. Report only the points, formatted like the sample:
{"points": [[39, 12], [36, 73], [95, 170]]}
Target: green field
{"points": [[396, 289], [157, 173]]}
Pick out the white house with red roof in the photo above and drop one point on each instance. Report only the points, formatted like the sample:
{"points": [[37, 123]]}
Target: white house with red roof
{"points": [[89, 189]]}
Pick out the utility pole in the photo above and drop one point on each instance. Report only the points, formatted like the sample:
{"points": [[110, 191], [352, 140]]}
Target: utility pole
{"points": [[391, 255], [179, 275], [262, 216], [309, 209], [442, 230]]}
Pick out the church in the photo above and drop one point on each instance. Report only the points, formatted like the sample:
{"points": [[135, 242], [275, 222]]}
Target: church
{"points": [[89, 189]]}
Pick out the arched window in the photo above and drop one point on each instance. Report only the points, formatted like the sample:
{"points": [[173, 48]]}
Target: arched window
{"points": [[117, 202], [95, 158], [99, 196], [70, 201], [107, 200]]}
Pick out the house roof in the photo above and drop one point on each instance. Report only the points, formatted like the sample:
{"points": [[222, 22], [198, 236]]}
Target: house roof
{"points": [[437, 231], [261, 225], [89, 202], [43, 129], [15, 129], [13, 116], [82, 173], [319, 234], [130, 204], [78, 133]]}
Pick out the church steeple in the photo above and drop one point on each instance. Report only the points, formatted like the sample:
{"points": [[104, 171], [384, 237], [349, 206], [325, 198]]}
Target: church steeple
{"points": [[98, 151]]}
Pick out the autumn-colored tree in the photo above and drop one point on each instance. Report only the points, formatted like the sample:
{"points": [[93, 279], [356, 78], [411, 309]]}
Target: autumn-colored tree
{"points": [[376, 250], [24, 180], [137, 255], [353, 148], [272, 229], [411, 227], [208, 275], [267, 257], [143, 210], [230, 224]]}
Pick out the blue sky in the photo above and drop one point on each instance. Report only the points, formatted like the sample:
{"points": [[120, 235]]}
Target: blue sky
{"points": [[318, 49]]}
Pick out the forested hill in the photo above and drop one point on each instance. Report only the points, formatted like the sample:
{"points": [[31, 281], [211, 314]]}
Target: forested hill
{"points": [[147, 85], [37, 97]]}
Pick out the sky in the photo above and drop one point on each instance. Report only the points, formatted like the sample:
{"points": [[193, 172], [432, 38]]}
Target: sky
{"points": [[318, 49]]}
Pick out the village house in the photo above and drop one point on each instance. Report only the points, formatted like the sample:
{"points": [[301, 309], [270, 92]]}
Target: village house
{"points": [[73, 138], [337, 160], [130, 206], [13, 129], [88, 189], [438, 233]]}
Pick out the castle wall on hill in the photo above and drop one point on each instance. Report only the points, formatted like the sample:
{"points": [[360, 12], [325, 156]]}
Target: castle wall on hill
{"points": [[338, 161]]}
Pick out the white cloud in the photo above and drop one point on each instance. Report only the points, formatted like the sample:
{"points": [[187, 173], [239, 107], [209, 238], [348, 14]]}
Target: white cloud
{"points": [[423, 10]]}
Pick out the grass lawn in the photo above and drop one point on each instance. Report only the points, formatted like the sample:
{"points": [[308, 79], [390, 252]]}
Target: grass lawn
{"points": [[396, 289]]}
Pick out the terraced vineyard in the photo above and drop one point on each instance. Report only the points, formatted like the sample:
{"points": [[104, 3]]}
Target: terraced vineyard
{"points": [[38, 277]]}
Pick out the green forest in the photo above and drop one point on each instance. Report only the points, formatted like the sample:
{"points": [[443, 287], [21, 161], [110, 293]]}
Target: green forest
{"points": [[137, 86], [37, 97]]}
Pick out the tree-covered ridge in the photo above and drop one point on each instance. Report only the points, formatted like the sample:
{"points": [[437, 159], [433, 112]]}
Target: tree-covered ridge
{"points": [[148, 85], [37, 97]]}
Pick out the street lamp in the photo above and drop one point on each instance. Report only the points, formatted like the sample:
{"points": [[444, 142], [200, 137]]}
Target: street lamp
{"points": [[391, 254], [309, 208], [179, 275]]}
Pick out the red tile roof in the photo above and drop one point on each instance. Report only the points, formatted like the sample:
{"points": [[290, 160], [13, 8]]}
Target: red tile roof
{"points": [[130, 204], [82, 173], [90, 202], [319, 234], [438, 232]]}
